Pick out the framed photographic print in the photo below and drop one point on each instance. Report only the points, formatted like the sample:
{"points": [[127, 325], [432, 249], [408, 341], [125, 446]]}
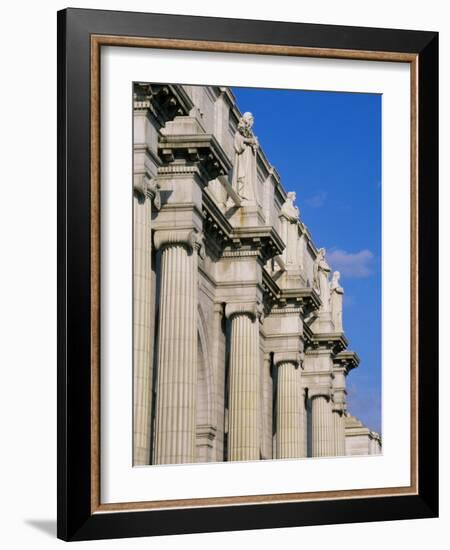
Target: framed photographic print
{"points": [[247, 255]]}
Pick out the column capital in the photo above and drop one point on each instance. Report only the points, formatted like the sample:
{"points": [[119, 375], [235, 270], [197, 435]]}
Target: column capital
{"points": [[241, 308], [218, 308], [146, 187], [338, 408], [281, 357], [339, 402], [186, 237], [320, 391]]}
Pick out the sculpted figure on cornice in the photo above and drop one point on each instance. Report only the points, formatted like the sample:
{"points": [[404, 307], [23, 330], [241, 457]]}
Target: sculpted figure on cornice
{"points": [[335, 285], [321, 274], [289, 210], [336, 301], [245, 148]]}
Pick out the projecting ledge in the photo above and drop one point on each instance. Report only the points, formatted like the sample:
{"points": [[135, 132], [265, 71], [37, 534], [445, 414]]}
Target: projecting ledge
{"points": [[347, 359], [201, 148], [308, 297], [336, 342]]}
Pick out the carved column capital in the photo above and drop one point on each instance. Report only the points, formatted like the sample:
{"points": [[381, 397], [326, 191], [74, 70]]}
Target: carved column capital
{"points": [[218, 308], [320, 391], [282, 357], [186, 237], [260, 312], [241, 308], [339, 408], [200, 245], [146, 187]]}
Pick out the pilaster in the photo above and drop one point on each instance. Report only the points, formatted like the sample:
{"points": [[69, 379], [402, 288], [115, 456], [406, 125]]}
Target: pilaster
{"points": [[146, 192]]}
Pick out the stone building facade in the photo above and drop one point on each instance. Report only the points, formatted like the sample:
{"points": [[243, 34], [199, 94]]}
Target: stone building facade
{"points": [[239, 350]]}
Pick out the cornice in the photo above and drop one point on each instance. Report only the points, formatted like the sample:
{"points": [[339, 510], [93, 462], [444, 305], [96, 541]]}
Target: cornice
{"points": [[287, 310], [346, 360], [164, 101], [260, 237], [217, 229], [201, 149], [307, 296], [335, 342], [270, 286]]}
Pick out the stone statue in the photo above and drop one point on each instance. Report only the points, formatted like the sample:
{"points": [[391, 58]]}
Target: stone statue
{"points": [[321, 284], [335, 282], [288, 210], [336, 301], [245, 148], [289, 229]]}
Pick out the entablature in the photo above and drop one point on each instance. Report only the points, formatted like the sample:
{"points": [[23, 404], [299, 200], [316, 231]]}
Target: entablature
{"points": [[335, 342], [263, 238], [216, 228], [347, 360], [203, 149], [308, 297], [271, 289], [165, 101]]}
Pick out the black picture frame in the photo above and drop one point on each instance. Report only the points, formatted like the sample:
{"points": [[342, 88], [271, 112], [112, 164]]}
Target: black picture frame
{"points": [[76, 520]]}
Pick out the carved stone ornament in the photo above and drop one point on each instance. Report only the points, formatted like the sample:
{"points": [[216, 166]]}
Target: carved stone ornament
{"points": [[321, 273], [200, 245], [320, 391], [289, 210], [186, 237], [336, 299], [245, 147], [146, 187], [241, 308], [335, 286], [282, 357]]}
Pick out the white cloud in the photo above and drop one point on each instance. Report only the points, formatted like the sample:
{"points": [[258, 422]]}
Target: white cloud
{"points": [[317, 200], [356, 265]]}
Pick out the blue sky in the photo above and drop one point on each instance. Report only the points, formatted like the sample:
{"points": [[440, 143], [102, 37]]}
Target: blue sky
{"points": [[326, 146]]}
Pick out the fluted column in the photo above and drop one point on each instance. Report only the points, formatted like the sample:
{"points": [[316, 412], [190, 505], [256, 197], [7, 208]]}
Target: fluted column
{"points": [[177, 348], [339, 406], [145, 192], [321, 423], [339, 433], [244, 406], [289, 406], [267, 412]]}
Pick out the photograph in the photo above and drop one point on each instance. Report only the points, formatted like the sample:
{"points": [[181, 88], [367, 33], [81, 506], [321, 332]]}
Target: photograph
{"points": [[257, 253], [247, 290]]}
